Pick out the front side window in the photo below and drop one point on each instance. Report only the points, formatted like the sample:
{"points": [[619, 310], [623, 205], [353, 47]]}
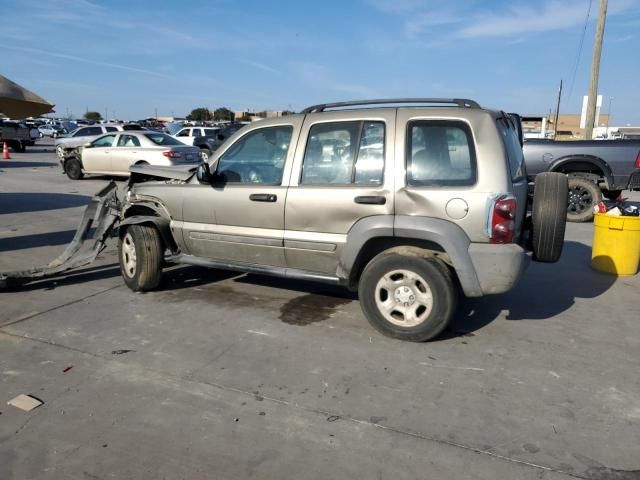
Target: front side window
{"points": [[128, 141], [344, 153], [111, 129], [183, 133], [106, 141], [256, 158], [440, 153], [83, 132]]}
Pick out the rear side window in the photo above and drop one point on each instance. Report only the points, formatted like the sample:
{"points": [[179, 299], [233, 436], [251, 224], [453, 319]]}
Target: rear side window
{"points": [[344, 153], [162, 139], [111, 129], [128, 141], [440, 153], [509, 134], [94, 131]]}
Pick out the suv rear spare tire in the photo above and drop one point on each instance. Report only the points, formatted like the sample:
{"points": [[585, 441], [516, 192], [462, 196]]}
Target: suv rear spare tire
{"points": [[407, 297], [549, 216], [140, 252], [583, 196]]}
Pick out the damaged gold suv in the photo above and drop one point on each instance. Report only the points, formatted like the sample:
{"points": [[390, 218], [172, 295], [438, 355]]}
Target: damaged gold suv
{"points": [[407, 201]]}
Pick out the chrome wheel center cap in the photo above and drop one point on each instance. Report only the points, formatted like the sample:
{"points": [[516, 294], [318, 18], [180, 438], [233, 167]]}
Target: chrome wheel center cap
{"points": [[404, 296]]}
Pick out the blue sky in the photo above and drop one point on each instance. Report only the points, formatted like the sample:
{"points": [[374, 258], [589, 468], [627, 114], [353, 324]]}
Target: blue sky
{"points": [[131, 57]]}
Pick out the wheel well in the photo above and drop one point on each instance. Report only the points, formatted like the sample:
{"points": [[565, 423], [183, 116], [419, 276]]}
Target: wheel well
{"points": [[162, 225], [140, 210], [583, 168], [142, 162], [377, 245]]}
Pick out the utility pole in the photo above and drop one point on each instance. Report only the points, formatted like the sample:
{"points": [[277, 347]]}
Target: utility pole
{"points": [[595, 71], [555, 123]]}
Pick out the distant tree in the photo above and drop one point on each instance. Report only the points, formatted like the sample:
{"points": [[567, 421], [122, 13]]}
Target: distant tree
{"points": [[287, 112], [200, 114], [245, 118], [93, 116], [223, 113]]}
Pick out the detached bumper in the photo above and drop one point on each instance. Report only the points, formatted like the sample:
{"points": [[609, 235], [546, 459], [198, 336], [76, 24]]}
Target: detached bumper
{"points": [[498, 267]]}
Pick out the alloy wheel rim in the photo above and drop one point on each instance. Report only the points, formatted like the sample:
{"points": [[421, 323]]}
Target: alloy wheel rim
{"points": [[580, 199], [404, 298], [129, 255]]}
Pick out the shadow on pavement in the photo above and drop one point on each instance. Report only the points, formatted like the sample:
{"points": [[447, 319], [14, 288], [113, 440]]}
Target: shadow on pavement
{"points": [[36, 202], [546, 290], [36, 240], [27, 164], [75, 277]]}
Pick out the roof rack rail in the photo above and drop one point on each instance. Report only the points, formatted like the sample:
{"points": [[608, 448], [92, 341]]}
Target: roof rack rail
{"points": [[460, 102]]}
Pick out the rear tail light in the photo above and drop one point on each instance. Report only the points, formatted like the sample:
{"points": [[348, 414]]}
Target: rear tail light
{"points": [[171, 154], [637, 164], [501, 223]]}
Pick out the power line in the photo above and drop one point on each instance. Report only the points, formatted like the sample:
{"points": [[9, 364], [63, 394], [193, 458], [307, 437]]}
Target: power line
{"points": [[579, 55]]}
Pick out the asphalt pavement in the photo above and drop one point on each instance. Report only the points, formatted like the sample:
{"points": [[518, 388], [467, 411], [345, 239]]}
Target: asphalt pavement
{"points": [[228, 376]]}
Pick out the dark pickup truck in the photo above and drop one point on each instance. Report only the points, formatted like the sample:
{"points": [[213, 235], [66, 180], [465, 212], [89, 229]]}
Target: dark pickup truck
{"points": [[596, 168]]}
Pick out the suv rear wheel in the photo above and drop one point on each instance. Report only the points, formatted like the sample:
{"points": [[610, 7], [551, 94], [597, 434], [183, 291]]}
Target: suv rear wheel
{"points": [[140, 253], [408, 297]]}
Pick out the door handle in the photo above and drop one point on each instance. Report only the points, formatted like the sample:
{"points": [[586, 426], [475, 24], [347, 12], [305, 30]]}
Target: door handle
{"points": [[263, 197], [371, 199]]}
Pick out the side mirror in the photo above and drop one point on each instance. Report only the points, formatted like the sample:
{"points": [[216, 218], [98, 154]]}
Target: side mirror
{"points": [[88, 145], [203, 173]]}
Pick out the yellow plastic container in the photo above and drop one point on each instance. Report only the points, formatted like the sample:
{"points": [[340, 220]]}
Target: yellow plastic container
{"points": [[616, 244]]}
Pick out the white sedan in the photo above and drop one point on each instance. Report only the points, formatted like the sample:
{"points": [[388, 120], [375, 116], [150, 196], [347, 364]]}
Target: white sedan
{"points": [[114, 153]]}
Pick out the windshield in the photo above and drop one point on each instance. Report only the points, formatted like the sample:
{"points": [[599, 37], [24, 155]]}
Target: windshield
{"points": [[162, 139]]}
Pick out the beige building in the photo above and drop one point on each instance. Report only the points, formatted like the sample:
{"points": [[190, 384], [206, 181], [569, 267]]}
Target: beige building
{"points": [[568, 128]]}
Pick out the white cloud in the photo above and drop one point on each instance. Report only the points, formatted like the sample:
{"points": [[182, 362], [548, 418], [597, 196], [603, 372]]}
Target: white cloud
{"points": [[259, 66], [74, 58]]}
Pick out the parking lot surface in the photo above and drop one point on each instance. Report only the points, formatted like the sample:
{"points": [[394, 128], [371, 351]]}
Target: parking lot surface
{"points": [[222, 375]]}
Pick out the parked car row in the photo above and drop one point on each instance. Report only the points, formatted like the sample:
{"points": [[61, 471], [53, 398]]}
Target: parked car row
{"points": [[114, 153]]}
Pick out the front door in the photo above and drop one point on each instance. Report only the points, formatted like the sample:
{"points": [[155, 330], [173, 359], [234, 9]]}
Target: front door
{"points": [[239, 217], [97, 158]]}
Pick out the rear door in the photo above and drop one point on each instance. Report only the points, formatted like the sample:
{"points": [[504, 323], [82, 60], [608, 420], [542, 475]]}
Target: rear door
{"points": [[342, 173], [125, 153]]}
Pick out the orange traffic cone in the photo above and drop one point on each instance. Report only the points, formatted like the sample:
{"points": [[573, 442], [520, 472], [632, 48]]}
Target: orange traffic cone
{"points": [[5, 152]]}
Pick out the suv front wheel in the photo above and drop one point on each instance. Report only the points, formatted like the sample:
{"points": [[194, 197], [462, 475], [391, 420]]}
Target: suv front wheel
{"points": [[140, 252], [409, 297]]}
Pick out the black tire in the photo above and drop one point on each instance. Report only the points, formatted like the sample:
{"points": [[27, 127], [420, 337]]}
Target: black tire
{"points": [[438, 279], [549, 216], [583, 196], [73, 169], [611, 194], [145, 271]]}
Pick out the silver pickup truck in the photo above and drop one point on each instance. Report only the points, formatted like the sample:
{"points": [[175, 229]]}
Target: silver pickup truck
{"points": [[596, 168]]}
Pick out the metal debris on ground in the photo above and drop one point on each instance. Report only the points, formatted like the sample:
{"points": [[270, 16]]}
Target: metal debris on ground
{"points": [[25, 402]]}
